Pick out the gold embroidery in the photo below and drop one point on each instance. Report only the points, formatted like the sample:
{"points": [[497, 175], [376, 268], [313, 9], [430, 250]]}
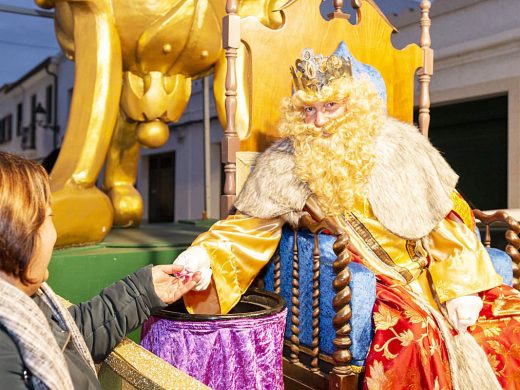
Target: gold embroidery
{"points": [[406, 337], [374, 246], [384, 318], [515, 351], [493, 362], [462, 209], [492, 331], [415, 317], [497, 347], [377, 379]]}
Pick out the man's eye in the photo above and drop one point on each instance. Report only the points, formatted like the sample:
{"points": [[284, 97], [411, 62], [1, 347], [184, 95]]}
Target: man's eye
{"points": [[309, 110], [330, 105]]}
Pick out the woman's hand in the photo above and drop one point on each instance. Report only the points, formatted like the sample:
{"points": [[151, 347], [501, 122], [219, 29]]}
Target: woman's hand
{"points": [[169, 287], [464, 311]]}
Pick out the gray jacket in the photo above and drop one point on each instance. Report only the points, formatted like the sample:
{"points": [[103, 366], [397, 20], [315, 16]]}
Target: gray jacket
{"points": [[103, 321]]}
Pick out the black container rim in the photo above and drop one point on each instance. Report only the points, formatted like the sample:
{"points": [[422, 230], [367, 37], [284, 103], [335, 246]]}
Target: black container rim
{"points": [[280, 305]]}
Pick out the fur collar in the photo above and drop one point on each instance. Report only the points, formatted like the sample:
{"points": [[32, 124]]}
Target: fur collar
{"points": [[409, 187], [272, 189]]}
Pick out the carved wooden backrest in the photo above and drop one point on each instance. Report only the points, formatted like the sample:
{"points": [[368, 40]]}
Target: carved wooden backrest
{"points": [[249, 91]]}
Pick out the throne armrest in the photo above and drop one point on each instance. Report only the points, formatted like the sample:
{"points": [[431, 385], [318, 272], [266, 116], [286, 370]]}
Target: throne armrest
{"points": [[131, 366]]}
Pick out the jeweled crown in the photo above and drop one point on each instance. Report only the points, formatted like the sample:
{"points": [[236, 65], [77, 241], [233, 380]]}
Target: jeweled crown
{"points": [[313, 71]]}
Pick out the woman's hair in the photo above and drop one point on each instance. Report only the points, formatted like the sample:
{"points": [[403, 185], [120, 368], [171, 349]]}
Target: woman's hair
{"points": [[24, 197]]}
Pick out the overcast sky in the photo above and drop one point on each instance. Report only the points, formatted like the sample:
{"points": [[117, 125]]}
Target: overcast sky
{"points": [[25, 41]]}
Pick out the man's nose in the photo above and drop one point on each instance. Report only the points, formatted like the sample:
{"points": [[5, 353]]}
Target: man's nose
{"points": [[321, 119]]}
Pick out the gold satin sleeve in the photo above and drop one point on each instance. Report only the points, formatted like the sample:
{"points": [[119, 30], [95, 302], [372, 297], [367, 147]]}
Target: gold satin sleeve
{"points": [[460, 264], [238, 247]]}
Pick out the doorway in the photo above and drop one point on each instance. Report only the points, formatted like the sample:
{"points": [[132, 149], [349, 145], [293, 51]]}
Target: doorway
{"points": [[161, 179]]}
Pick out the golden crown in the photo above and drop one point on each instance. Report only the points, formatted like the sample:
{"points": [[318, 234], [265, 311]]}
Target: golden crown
{"points": [[313, 71]]}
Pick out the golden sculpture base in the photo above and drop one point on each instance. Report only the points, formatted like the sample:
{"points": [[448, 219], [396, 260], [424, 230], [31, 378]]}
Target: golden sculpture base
{"points": [[81, 215]]}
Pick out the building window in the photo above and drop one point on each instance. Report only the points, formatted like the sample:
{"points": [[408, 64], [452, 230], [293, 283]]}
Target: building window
{"points": [[161, 196], [6, 129], [29, 135], [48, 104], [8, 126], [19, 119]]}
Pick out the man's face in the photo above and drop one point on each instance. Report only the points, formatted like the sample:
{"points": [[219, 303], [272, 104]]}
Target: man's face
{"points": [[320, 113]]}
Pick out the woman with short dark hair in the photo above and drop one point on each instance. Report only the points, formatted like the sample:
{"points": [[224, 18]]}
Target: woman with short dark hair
{"points": [[42, 344]]}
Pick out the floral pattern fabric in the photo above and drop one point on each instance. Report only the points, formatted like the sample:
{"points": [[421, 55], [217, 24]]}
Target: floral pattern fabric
{"points": [[408, 352]]}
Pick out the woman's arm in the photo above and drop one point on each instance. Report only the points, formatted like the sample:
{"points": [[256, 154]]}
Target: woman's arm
{"points": [[119, 309], [11, 364]]}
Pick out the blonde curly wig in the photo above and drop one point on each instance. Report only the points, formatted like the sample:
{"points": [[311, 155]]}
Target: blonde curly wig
{"points": [[336, 168]]}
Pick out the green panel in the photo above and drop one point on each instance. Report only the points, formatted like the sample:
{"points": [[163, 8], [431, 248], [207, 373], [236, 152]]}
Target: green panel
{"points": [[79, 273]]}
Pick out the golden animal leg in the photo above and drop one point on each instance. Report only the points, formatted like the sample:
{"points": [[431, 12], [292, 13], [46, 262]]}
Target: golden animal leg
{"points": [[121, 174], [82, 213]]}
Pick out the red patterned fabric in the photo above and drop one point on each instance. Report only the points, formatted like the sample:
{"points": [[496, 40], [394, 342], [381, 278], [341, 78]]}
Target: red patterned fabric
{"points": [[407, 351]]}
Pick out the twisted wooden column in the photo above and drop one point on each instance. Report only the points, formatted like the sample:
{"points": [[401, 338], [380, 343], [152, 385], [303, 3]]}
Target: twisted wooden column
{"points": [[426, 72], [315, 304], [277, 273], [295, 300], [341, 304], [512, 248], [230, 142], [341, 376]]}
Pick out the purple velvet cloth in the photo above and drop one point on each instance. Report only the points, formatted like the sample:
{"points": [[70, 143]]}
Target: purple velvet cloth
{"points": [[243, 353]]}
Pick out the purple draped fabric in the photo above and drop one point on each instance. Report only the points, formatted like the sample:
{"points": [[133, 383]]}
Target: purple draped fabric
{"points": [[243, 353]]}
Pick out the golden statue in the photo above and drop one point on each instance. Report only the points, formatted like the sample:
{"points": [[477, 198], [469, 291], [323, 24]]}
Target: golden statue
{"points": [[134, 64]]}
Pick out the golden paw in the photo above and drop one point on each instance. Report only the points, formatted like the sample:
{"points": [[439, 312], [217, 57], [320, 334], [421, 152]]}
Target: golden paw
{"points": [[128, 205]]}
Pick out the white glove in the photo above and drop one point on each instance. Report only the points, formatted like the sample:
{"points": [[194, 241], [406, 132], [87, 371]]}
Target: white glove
{"points": [[464, 311], [196, 259]]}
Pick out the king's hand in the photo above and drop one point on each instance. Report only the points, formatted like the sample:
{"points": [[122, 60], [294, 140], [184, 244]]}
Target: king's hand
{"points": [[464, 311], [195, 259]]}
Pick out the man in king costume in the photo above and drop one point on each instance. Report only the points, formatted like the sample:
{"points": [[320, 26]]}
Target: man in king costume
{"points": [[437, 291]]}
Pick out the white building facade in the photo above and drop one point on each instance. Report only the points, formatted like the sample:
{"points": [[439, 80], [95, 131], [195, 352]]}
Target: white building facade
{"points": [[34, 109]]}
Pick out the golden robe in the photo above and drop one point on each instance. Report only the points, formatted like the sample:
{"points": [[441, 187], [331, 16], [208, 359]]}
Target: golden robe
{"points": [[240, 246], [459, 265]]}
